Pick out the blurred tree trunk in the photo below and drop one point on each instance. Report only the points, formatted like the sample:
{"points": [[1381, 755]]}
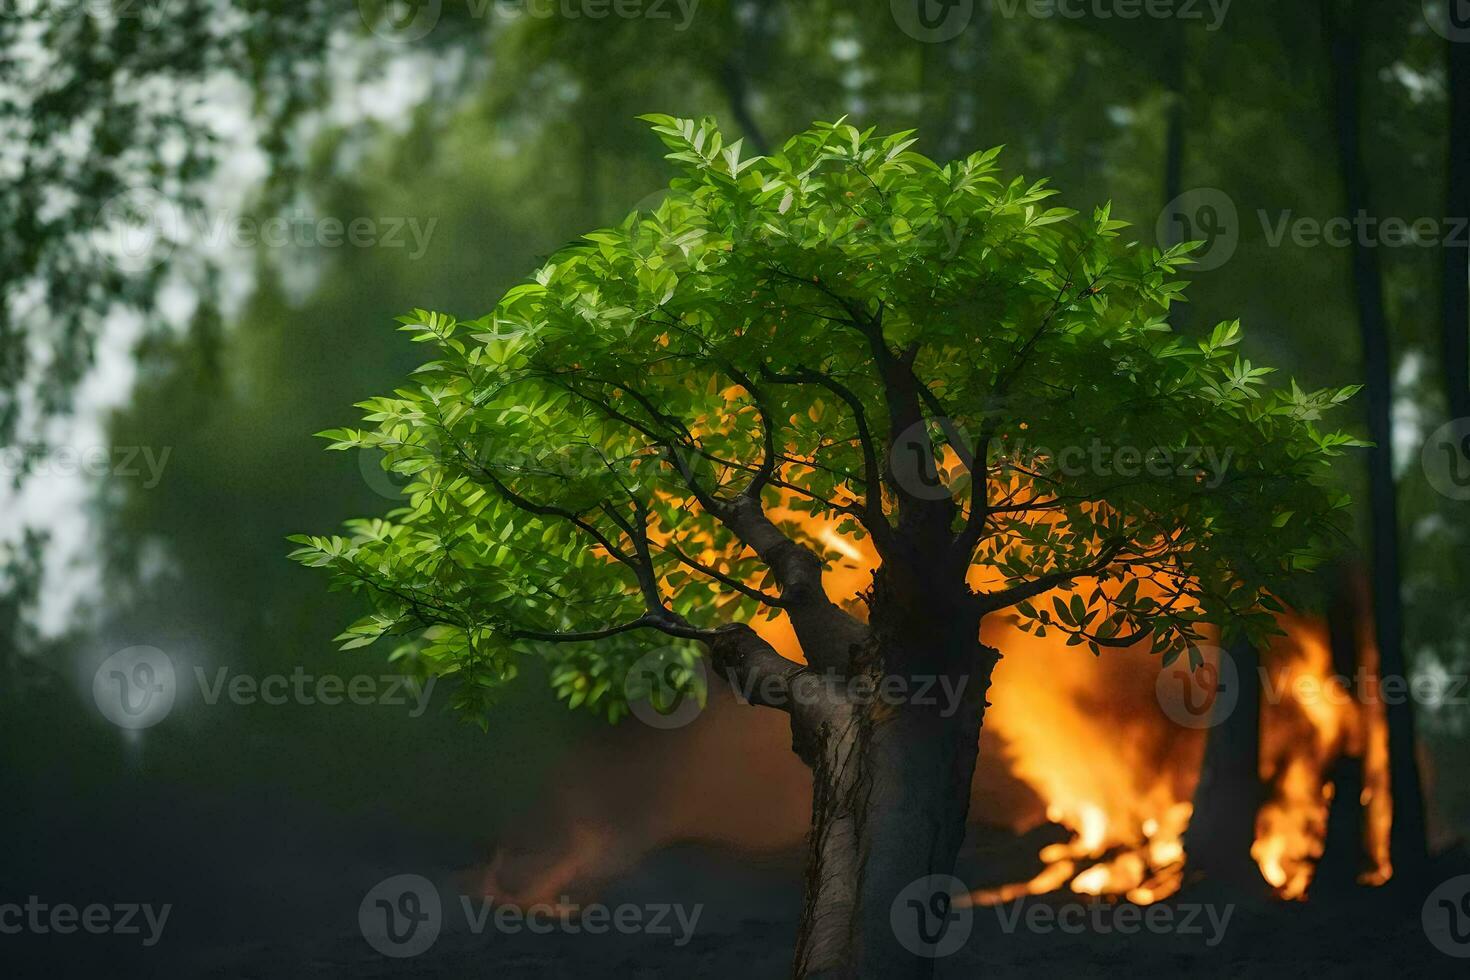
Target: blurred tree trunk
{"points": [[1343, 30], [1174, 70], [1175, 67], [745, 58], [1223, 827], [1342, 850], [1456, 285], [949, 78]]}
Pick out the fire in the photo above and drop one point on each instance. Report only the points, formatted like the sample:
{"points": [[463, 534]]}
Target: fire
{"points": [[1121, 778], [1086, 734], [1308, 720]]}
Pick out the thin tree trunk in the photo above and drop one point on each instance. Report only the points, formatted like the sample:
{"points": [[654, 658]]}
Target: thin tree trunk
{"points": [[1343, 848], [1174, 128], [737, 67], [1229, 795], [1456, 282], [1407, 838]]}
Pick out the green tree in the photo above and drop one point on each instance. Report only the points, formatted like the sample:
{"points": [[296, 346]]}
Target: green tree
{"points": [[931, 356]]}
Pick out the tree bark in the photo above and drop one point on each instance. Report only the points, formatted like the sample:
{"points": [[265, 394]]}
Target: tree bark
{"points": [[1229, 795], [1407, 836], [890, 804], [1343, 847]]}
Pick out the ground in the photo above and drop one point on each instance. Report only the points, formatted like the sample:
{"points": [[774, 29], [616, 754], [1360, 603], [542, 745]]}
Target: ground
{"points": [[262, 889]]}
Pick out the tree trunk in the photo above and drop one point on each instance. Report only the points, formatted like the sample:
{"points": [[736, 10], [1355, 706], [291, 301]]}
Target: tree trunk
{"points": [[1343, 848], [1223, 826], [1174, 75], [1407, 836], [1456, 283], [891, 794]]}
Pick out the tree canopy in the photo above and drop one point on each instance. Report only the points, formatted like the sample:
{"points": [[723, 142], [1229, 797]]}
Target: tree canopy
{"points": [[936, 357]]}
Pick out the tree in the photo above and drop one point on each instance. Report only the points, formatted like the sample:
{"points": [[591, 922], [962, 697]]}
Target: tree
{"points": [[1341, 23], [642, 444]]}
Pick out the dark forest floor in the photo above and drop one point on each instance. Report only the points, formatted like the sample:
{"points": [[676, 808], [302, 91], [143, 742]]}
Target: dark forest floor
{"points": [[261, 888]]}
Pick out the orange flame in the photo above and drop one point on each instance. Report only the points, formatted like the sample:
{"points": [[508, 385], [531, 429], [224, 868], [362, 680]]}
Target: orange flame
{"points": [[1085, 733]]}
